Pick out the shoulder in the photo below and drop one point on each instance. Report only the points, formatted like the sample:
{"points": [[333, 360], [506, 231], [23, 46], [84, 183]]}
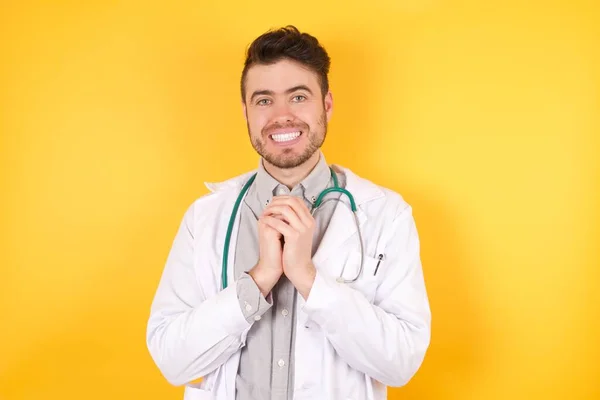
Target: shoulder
{"points": [[221, 194]]}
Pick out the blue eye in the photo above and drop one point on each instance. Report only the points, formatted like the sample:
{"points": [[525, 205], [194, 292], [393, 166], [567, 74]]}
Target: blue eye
{"points": [[299, 98], [263, 102]]}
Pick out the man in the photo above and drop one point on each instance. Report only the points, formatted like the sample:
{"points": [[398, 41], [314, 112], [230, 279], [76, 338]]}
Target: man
{"points": [[311, 306]]}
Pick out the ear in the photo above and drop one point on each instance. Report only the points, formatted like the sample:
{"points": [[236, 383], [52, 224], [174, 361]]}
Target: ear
{"points": [[328, 104]]}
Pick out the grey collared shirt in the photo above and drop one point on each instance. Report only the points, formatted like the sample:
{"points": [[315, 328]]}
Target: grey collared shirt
{"points": [[267, 360]]}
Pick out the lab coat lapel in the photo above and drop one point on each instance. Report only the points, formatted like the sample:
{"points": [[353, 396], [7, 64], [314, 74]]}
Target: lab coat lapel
{"points": [[234, 184], [340, 229], [342, 226]]}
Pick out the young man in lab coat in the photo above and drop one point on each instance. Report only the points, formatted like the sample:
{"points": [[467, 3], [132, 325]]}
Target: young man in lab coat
{"points": [[301, 316]]}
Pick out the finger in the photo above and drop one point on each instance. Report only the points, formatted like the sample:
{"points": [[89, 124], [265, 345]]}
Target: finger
{"points": [[281, 227], [303, 211], [297, 205], [267, 229], [276, 215], [295, 202], [291, 217]]}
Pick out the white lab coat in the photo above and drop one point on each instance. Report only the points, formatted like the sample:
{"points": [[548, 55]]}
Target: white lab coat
{"points": [[351, 340]]}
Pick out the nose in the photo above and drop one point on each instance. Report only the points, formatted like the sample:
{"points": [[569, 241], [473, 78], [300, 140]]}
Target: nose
{"points": [[282, 113]]}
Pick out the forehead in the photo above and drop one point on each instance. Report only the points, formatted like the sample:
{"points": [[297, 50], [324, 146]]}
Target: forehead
{"points": [[280, 76]]}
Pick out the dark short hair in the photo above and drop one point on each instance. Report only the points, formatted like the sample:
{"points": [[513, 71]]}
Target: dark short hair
{"points": [[288, 43]]}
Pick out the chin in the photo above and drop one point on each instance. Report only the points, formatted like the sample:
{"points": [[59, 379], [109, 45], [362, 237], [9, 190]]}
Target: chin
{"points": [[287, 159]]}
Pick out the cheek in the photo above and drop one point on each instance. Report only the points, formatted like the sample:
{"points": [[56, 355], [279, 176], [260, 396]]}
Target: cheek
{"points": [[256, 121], [310, 116]]}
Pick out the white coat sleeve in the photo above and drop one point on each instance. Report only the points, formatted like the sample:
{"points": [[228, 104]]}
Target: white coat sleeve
{"points": [[386, 339], [188, 333]]}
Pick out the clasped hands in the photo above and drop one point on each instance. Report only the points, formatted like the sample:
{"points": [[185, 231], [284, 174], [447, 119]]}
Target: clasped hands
{"points": [[287, 218]]}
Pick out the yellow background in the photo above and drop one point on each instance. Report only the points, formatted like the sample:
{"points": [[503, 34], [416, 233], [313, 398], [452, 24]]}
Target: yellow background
{"points": [[483, 114]]}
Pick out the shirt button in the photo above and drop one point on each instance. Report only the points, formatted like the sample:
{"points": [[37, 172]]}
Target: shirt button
{"points": [[280, 191], [281, 363], [284, 312], [257, 318], [248, 307]]}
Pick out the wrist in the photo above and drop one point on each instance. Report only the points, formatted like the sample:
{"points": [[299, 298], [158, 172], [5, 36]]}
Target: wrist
{"points": [[303, 279], [264, 277]]}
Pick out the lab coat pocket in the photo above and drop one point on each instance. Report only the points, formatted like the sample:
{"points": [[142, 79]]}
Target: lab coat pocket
{"points": [[364, 281]]}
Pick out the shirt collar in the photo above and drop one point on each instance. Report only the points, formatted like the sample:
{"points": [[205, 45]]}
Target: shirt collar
{"points": [[317, 180], [265, 185]]}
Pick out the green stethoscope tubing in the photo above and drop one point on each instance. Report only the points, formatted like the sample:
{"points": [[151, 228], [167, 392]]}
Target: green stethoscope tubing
{"points": [[317, 203]]}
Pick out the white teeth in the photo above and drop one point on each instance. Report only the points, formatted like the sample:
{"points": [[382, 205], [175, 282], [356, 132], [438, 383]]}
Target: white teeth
{"points": [[285, 137]]}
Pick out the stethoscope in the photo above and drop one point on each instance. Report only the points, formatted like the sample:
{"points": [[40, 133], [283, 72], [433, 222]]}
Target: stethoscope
{"points": [[318, 202]]}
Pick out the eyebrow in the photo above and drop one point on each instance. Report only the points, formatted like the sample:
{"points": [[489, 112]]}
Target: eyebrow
{"points": [[271, 93]]}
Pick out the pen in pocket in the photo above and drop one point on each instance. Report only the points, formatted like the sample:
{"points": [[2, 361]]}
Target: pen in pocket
{"points": [[379, 258]]}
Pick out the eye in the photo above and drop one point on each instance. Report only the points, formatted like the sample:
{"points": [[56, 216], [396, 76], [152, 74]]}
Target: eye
{"points": [[263, 102], [299, 98]]}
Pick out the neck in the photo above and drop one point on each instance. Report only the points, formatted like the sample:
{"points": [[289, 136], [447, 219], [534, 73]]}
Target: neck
{"points": [[290, 177]]}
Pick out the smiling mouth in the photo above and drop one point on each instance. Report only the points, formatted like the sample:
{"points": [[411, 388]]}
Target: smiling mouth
{"points": [[286, 137]]}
